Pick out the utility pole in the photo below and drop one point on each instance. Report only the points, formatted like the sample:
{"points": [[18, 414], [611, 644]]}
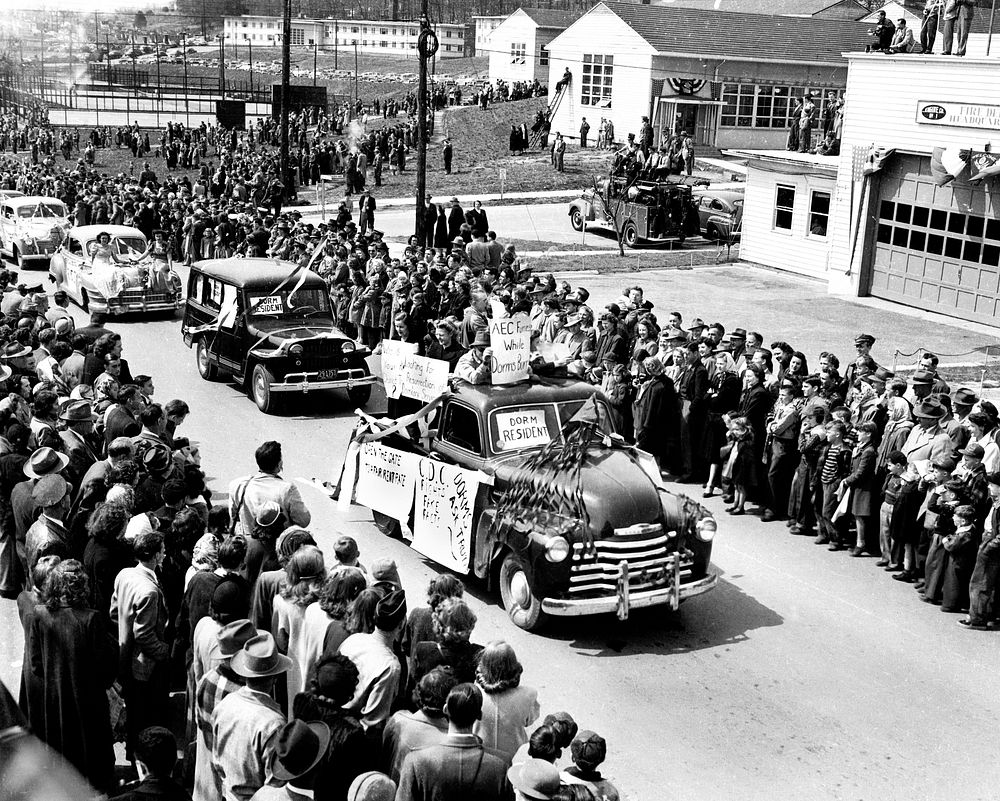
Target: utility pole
{"points": [[187, 101], [426, 46], [336, 43], [135, 86], [286, 74], [250, 51], [315, 57], [355, 76], [222, 66]]}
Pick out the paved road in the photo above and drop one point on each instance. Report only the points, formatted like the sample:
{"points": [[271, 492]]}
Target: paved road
{"points": [[807, 674]]}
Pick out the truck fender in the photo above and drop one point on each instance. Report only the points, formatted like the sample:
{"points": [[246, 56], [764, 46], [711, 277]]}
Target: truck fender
{"points": [[486, 546]]}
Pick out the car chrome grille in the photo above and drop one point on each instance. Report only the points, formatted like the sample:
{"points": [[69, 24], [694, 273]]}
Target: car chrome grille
{"points": [[142, 296], [648, 552]]}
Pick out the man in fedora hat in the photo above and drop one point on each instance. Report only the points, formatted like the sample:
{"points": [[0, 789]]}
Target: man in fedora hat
{"points": [[296, 752], [456, 217], [139, 610], [459, 767], [24, 507], [534, 780], [377, 664], [246, 723], [475, 366], [928, 439], [49, 534], [217, 683], [78, 417]]}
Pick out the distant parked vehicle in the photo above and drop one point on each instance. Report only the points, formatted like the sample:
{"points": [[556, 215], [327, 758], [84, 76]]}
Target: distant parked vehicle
{"points": [[720, 213]]}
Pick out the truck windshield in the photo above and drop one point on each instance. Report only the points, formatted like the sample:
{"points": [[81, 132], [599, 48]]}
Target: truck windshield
{"points": [[303, 303], [516, 428]]}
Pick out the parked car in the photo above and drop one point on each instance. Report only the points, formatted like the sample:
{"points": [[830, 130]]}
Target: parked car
{"points": [[6, 193], [720, 213], [125, 291], [273, 336], [646, 211], [31, 228], [630, 544]]}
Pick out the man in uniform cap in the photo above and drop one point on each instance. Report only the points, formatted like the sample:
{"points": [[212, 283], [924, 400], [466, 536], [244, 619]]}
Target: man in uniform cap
{"points": [[246, 723], [377, 664], [49, 535]]}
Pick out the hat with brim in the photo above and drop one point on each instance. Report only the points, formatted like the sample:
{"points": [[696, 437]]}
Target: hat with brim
{"points": [[77, 411], [260, 658], [922, 377], [233, 636], [299, 748], [15, 350], [5, 372], [965, 397], [156, 459], [929, 409], [45, 462], [974, 450], [534, 778], [49, 490]]}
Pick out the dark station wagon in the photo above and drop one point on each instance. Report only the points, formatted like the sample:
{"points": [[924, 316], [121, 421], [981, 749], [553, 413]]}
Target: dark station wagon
{"points": [[636, 544], [273, 335]]}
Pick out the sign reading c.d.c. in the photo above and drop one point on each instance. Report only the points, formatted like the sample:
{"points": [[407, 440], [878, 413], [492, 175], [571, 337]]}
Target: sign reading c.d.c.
{"points": [[958, 115]]}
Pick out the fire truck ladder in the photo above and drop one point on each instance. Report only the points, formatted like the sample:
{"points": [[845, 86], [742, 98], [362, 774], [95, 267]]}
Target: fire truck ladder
{"points": [[550, 112]]}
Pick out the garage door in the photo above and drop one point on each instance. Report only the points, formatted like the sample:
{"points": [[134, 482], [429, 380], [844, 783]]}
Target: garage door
{"points": [[937, 247]]}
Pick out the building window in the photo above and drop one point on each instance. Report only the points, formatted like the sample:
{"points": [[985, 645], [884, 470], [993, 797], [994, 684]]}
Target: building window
{"points": [[766, 106], [518, 51], [784, 206], [298, 36], [355, 30], [595, 84], [383, 43], [819, 213], [543, 56]]}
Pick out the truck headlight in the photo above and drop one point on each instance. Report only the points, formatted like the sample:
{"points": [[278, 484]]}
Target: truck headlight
{"points": [[706, 529], [557, 549], [295, 350], [347, 346]]}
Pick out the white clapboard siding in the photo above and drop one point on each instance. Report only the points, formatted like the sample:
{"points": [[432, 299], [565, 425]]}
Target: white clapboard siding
{"points": [[793, 250], [517, 28], [602, 32], [881, 109]]}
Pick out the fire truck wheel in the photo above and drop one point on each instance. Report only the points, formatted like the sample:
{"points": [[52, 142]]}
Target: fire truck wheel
{"points": [[630, 235], [522, 606]]}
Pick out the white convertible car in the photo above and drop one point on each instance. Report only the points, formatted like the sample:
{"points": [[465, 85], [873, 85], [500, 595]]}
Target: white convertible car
{"points": [[31, 228], [119, 289]]}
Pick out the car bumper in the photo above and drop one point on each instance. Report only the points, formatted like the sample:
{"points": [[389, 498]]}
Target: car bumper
{"points": [[114, 307], [309, 382], [573, 607]]}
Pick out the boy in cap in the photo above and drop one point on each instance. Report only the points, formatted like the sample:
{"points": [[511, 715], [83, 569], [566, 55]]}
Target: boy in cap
{"points": [[589, 750]]}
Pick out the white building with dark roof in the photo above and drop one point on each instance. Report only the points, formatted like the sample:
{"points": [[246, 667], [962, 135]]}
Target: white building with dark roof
{"points": [[729, 79], [518, 46]]}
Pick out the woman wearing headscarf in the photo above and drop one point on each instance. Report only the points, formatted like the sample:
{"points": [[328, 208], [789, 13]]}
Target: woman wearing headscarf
{"points": [[723, 398], [656, 414]]}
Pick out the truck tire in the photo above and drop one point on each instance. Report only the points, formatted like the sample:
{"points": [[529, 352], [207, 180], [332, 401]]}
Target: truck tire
{"points": [[576, 220], [630, 236], [387, 525], [207, 370], [523, 607], [260, 389]]}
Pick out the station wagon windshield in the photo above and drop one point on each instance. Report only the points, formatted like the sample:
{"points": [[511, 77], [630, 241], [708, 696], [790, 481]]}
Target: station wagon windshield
{"points": [[125, 246], [304, 303], [41, 210], [532, 425]]}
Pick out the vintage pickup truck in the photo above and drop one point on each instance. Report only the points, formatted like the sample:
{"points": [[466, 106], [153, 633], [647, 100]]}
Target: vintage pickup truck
{"points": [[566, 518]]}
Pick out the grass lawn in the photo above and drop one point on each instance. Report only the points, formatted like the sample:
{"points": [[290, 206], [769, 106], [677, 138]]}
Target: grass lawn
{"points": [[605, 261]]}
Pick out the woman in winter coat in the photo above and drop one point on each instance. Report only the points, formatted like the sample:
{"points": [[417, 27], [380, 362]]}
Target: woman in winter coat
{"points": [[508, 706]]}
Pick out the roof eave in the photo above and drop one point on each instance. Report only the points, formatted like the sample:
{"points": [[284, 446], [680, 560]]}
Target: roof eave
{"points": [[744, 57]]}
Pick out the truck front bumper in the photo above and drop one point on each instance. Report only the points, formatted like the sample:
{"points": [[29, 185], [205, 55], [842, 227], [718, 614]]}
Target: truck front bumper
{"points": [[669, 595], [308, 382]]}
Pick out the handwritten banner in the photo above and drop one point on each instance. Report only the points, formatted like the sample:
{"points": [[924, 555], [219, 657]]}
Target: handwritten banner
{"points": [[555, 352], [385, 480], [524, 429], [443, 509], [395, 355], [510, 341], [424, 378]]}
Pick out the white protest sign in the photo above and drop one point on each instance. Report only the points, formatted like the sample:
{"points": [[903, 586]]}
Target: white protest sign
{"points": [[497, 309], [442, 518], [425, 379], [385, 480], [555, 352], [524, 429], [394, 359], [510, 341], [269, 304]]}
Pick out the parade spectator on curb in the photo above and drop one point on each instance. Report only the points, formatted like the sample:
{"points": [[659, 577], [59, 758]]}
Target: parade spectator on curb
{"points": [[508, 706]]}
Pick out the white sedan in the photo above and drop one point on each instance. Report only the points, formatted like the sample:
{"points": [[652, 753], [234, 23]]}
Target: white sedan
{"points": [[31, 228], [126, 287]]}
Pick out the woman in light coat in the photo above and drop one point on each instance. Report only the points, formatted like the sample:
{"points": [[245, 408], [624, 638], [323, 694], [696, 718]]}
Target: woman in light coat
{"points": [[508, 707]]}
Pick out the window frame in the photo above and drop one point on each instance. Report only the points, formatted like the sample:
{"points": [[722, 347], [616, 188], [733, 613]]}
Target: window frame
{"points": [[813, 213], [597, 81], [518, 52], [789, 209], [444, 429]]}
